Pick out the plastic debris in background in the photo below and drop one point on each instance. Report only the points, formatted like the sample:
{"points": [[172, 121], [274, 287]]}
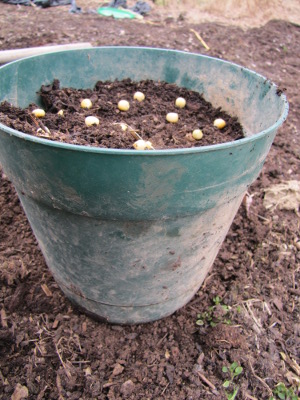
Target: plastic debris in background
{"points": [[118, 3], [116, 8], [117, 13], [141, 7], [45, 3]]}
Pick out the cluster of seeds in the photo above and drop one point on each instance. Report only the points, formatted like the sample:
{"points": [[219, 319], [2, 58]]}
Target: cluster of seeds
{"points": [[124, 105], [124, 115]]}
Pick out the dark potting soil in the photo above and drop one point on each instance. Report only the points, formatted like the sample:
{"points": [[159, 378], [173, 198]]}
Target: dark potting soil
{"points": [[145, 119]]}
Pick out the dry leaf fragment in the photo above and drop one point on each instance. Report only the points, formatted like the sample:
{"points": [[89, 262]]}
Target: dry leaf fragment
{"points": [[21, 392], [167, 354], [285, 196]]}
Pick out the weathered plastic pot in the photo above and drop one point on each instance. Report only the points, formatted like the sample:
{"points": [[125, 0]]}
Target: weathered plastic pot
{"points": [[128, 235]]}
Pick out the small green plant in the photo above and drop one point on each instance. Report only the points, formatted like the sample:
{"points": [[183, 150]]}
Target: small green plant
{"points": [[232, 371], [283, 393], [215, 314]]}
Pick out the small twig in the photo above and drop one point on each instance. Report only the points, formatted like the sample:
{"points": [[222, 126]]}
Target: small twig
{"points": [[134, 133], [161, 340], [292, 363], [206, 381], [199, 38], [248, 396], [206, 280], [266, 306], [59, 387], [260, 380], [130, 129], [165, 388], [62, 362], [4, 381], [109, 384], [253, 316], [80, 362]]}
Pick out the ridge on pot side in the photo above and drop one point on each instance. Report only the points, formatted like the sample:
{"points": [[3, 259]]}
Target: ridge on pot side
{"points": [[129, 236]]}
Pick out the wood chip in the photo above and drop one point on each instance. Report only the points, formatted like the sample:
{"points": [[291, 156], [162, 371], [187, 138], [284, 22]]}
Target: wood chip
{"points": [[46, 290], [55, 323], [3, 318], [83, 327]]}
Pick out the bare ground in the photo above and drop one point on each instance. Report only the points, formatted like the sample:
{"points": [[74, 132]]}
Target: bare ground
{"points": [[248, 305]]}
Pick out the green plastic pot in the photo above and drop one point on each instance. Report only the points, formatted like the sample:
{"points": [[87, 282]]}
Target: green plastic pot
{"points": [[128, 235]]}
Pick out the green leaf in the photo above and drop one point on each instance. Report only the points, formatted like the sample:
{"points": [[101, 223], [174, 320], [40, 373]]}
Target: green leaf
{"points": [[200, 322], [226, 384], [281, 396], [224, 369], [217, 300], [233, 366], [238, 371]]}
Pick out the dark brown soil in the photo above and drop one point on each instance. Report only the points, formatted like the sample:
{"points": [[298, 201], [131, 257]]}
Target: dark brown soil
{"points": [[55, 352], [145, 119]]}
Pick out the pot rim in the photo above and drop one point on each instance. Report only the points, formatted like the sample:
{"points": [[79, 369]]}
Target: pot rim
{"points": [[151, 153]]}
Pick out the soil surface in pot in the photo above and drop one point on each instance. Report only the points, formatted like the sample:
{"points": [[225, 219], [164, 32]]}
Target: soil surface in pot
{"points": [[121, 129]]}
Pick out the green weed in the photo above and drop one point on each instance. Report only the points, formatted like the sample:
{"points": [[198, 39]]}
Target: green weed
{"points": [[215, 314], [283, 393], [233, 371]]}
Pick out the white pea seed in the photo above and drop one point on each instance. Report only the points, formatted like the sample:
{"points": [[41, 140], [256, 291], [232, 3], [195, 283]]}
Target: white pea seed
{"points": [[172, 117], [149, 146], [142, 145], [197, 134], [38, 113], [180, 102], [89, 121], [139, 96], [123, 126], [61, 113], [86, 103], [123, 105], [219, 123]]}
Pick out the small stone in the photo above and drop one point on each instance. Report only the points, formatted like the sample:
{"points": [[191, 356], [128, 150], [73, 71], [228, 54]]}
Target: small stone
{"points": [[127, 388], [118, 369]]}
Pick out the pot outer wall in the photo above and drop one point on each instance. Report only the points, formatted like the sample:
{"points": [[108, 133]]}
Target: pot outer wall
{"points": [[129, 236]]}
